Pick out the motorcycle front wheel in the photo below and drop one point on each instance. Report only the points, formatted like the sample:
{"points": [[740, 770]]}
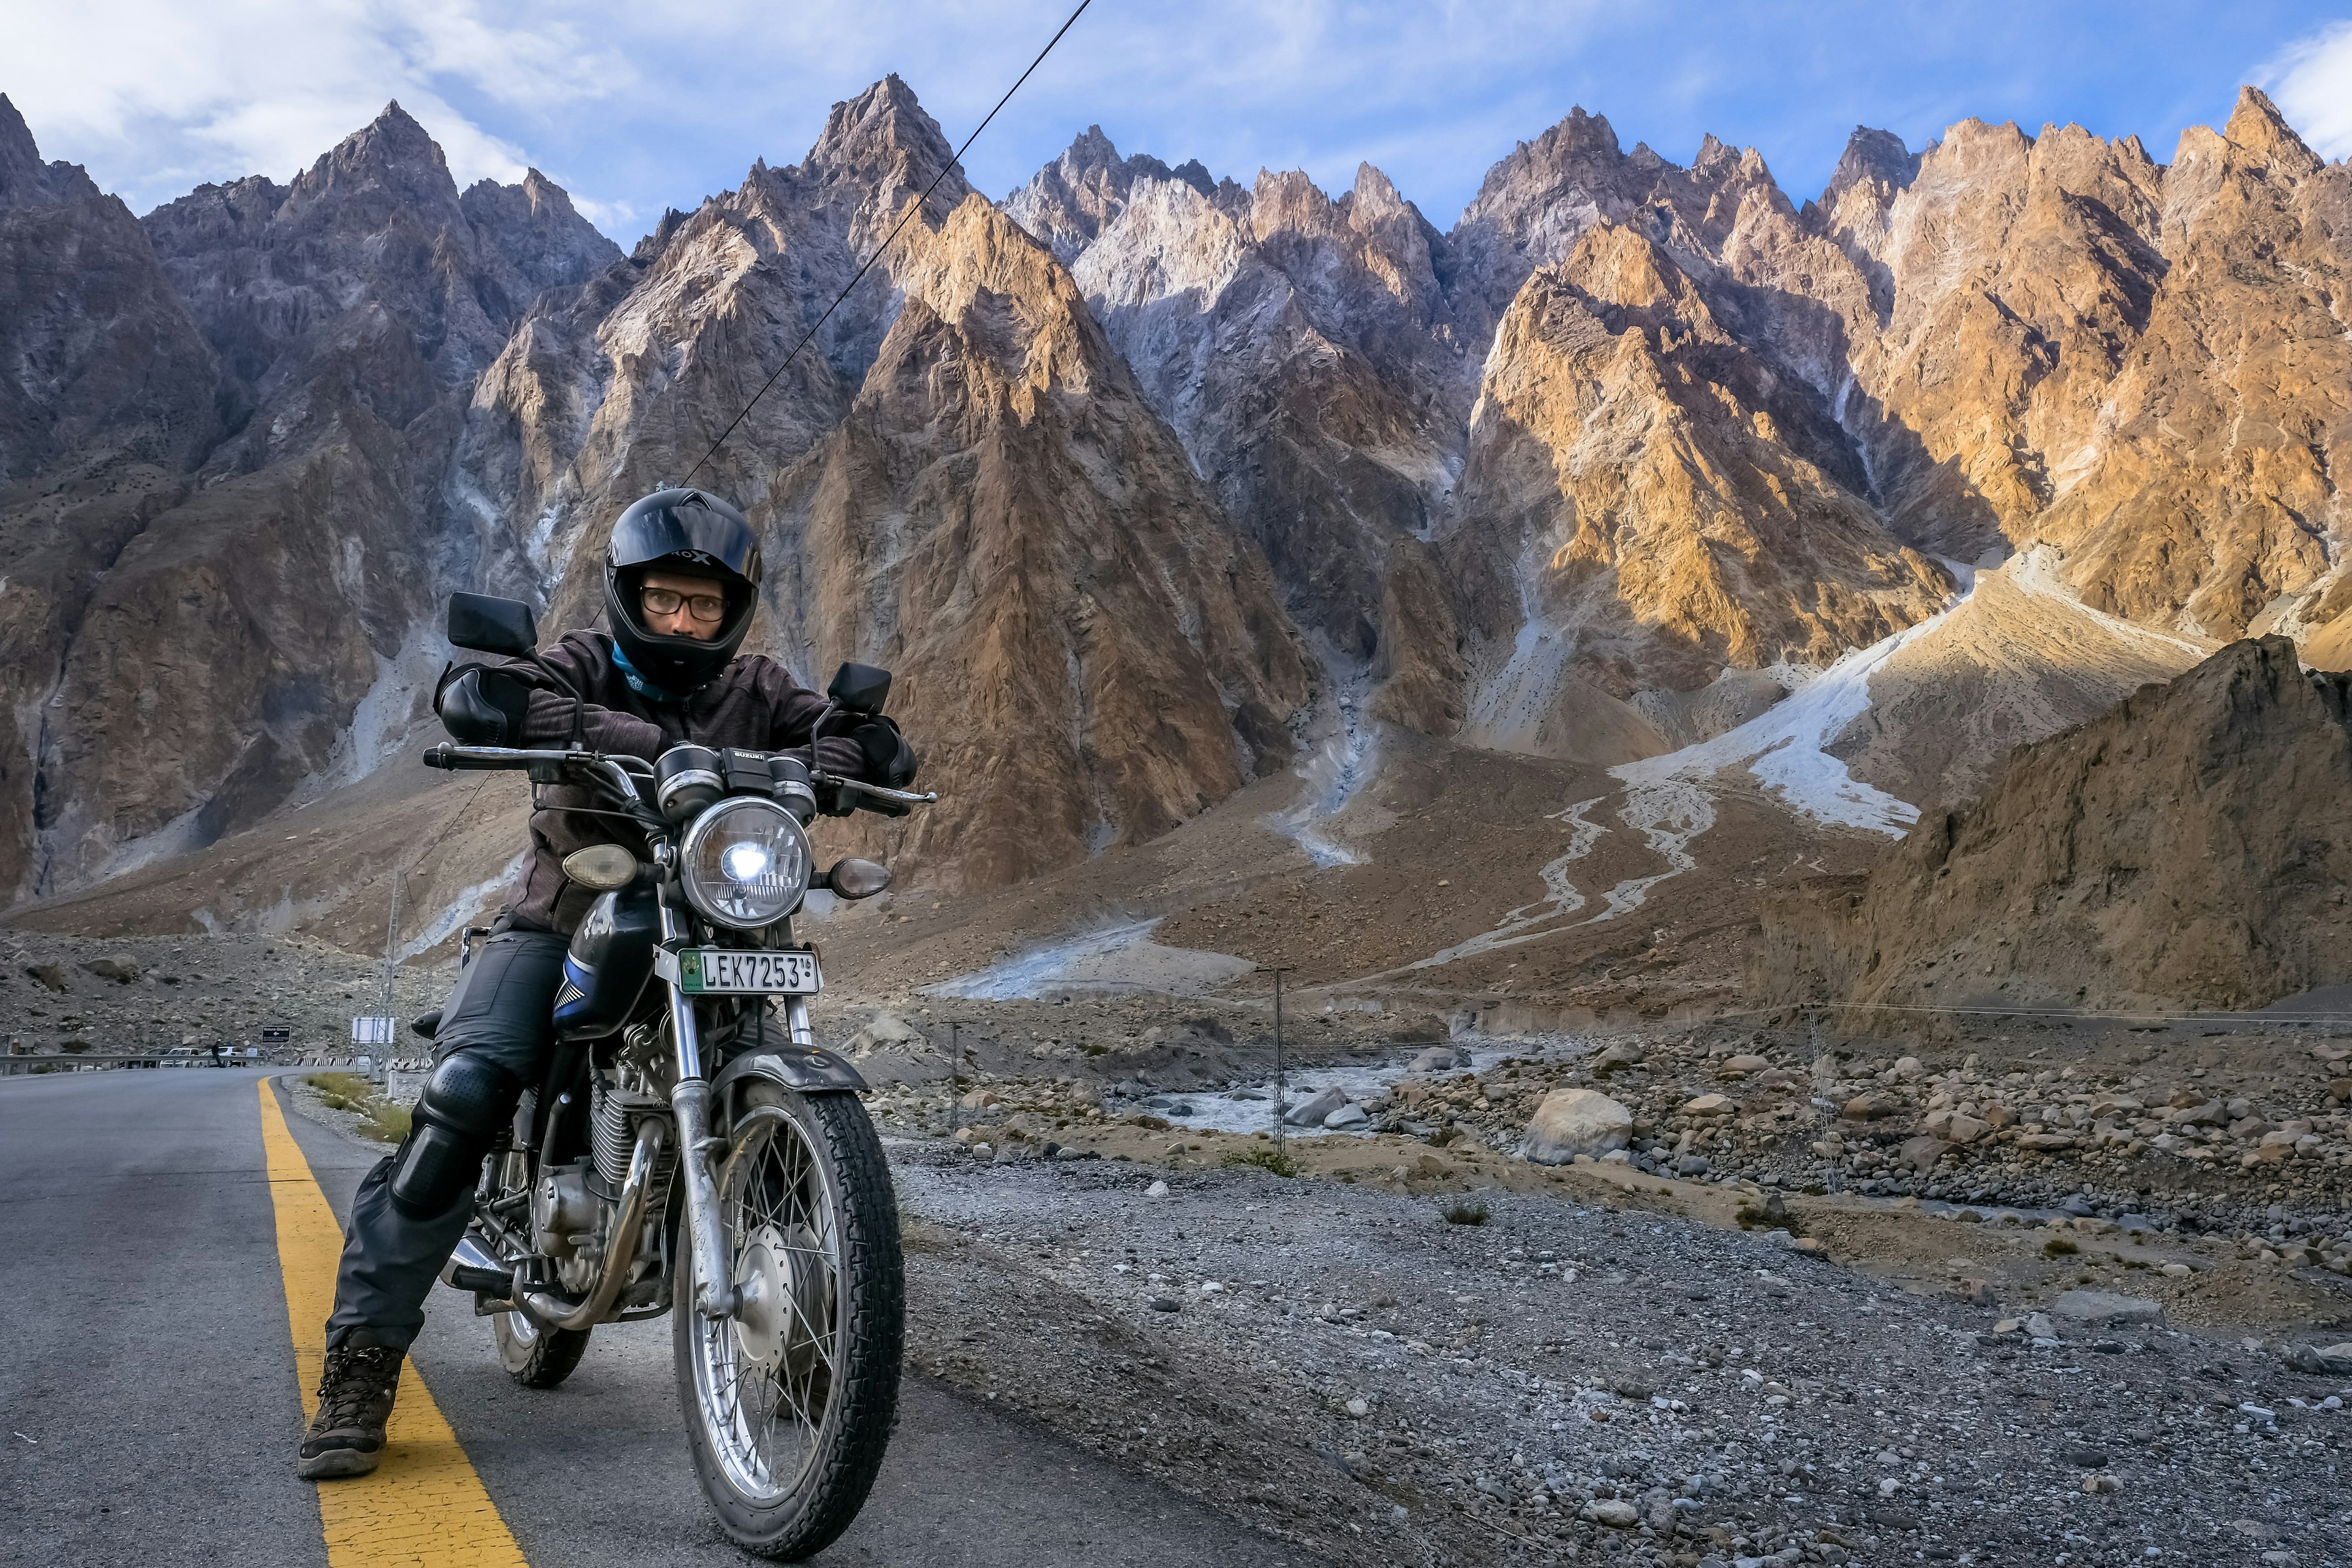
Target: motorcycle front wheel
{"points": [[790, 1402]]}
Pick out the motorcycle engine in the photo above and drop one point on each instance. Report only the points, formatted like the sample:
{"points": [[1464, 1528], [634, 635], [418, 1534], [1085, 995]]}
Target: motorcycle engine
{"points": [[566, 1217]]}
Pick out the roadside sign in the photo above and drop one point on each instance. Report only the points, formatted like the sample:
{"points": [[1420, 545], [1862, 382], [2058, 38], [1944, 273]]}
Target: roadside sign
{"points": [[276, 1034], [373, 1031]]}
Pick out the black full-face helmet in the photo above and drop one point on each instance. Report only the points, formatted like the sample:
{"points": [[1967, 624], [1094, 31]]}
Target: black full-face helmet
{"points": [[681, 531]]}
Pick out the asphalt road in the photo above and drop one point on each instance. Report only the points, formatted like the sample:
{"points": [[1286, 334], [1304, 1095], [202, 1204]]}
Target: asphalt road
{"points": [[149, 1407]]}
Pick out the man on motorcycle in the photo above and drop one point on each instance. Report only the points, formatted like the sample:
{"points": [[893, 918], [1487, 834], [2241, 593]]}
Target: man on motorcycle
{"points": [[681, 584]]}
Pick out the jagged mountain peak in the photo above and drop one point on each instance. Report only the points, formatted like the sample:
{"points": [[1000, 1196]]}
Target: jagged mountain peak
{"points": [[1580, 142], [392, 156], [1066, 204], [18, 152], [24, 179], [2257, 126], [1874, 155], [1090, 149], [535, 226], [885, 125]]}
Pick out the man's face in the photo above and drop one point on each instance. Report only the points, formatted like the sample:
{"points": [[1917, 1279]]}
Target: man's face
{"points": [[681, 591]]}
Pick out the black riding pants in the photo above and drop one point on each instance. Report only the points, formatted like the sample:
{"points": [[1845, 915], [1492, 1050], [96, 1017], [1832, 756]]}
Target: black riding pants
{"points": [[499, 1009]]}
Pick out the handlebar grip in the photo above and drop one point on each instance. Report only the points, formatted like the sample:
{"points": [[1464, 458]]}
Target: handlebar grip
{"points": [[464, 759]]}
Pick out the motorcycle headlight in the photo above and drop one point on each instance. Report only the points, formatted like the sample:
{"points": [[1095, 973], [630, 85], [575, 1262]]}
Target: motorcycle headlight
{"points": [[745, 863]]}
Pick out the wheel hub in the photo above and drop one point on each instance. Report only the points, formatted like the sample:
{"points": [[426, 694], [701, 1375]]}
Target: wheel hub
{"points": [[762, 1287]]}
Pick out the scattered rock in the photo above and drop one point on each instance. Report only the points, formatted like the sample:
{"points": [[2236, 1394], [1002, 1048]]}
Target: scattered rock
{"points": [[1710, 1105], [1440, 1058], [52, 975], [2328, 1360], [1572, 1122], [1615, 1058], [1922, 1153], [1614, 1512], [116, 967], [1742, 1066], [1348, 1118], [1156, 1190], [1312, 1113]]}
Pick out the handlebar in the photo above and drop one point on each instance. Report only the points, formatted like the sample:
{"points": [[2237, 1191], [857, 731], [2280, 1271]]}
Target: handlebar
{"points": [[494, 759], [489, 758], [894, 796]]}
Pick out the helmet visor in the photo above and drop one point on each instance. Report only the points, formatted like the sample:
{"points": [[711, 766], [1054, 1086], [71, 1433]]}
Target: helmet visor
{"points": [[694, 531]]}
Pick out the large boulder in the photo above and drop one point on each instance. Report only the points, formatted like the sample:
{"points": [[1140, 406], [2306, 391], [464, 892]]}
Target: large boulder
{"points": [[2104, 1308], [1572, 1122], [1322, 1103], [882, 1032]]}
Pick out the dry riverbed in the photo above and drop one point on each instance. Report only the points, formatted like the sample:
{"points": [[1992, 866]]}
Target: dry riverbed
{"points": [[1605, 1367]]}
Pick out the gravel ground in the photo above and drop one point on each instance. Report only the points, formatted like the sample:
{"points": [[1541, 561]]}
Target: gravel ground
{"points": [[129, 995], [1346, 1369]]}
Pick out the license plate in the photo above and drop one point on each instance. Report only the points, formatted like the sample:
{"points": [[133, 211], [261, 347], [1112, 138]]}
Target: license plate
{"points": [[720, 971]]}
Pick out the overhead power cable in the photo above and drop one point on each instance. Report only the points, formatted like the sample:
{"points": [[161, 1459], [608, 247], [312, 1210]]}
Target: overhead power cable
{"points": [[920, 202]]}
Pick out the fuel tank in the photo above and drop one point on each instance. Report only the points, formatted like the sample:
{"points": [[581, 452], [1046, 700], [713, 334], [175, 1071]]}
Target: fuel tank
{"points": [[608, 964]]}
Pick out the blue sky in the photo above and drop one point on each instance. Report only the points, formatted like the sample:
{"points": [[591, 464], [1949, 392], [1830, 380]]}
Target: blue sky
{"points": [[635, 107]]}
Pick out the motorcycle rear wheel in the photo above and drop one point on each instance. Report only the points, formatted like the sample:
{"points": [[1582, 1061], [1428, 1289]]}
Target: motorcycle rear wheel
{"points": [[790, 1403], [534, 1356]]}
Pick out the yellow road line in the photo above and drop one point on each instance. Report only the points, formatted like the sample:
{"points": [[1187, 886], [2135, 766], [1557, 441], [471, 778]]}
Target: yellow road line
{"points": [[424, 1506]]}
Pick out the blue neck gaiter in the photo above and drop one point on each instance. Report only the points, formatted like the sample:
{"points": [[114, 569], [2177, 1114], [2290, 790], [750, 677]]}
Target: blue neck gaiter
{"points": [[638, 683]]}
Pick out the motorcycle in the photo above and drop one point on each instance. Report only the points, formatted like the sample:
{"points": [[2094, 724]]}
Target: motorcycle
{"points": [[688, 1151]]}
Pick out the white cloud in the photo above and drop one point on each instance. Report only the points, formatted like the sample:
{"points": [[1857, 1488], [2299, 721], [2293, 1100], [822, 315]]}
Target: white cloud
{"points": [[2310, 82], [155, 97], [633, 107]]}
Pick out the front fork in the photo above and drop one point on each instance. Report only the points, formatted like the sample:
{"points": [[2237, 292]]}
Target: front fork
{"points": [[690, 1102]]}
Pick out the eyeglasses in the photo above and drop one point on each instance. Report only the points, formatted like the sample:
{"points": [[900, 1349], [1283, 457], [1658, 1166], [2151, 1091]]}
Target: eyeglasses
{"points": [[669, 601]]}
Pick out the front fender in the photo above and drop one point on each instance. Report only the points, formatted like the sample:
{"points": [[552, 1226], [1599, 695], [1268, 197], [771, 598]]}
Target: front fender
{"points": [[804, 1068]]}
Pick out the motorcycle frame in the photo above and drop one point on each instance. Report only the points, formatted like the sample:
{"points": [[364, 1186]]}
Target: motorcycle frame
{"points": [[799, 1066]]}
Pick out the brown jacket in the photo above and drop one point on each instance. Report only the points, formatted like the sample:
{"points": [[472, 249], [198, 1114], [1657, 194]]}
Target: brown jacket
{"points": [[753, 703]]}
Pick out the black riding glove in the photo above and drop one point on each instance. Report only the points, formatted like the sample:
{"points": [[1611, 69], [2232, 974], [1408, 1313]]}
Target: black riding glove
{"points": [[889, 761]]}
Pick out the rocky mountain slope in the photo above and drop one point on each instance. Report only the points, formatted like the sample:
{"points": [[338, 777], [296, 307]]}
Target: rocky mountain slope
{"points": [[2191, 846], [1960, 351], [1151, 483], [249, 619]]}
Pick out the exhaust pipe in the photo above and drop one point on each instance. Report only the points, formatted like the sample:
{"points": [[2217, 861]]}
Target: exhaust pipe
{"points": [[471, 1266], [553, 1311]]}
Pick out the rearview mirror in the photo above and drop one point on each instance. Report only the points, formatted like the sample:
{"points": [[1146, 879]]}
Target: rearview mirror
{"points": [[488, 624], [859, 688]]}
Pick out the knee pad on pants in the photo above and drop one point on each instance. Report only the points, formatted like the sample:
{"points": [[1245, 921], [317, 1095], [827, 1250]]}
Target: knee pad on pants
{"points": [[457, 1119]]}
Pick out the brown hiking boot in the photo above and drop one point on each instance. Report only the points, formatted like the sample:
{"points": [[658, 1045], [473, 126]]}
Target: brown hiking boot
{"points": [[346, 1436]]}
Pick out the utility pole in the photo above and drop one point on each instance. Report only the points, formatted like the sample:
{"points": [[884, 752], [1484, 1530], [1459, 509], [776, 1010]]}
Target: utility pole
{"points": [[1281, 1135], [390, 962]]}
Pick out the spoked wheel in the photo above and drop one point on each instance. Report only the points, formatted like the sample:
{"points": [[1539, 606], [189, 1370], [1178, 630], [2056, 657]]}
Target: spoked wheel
{"points": [[537, 1357], [790, 1401]]}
